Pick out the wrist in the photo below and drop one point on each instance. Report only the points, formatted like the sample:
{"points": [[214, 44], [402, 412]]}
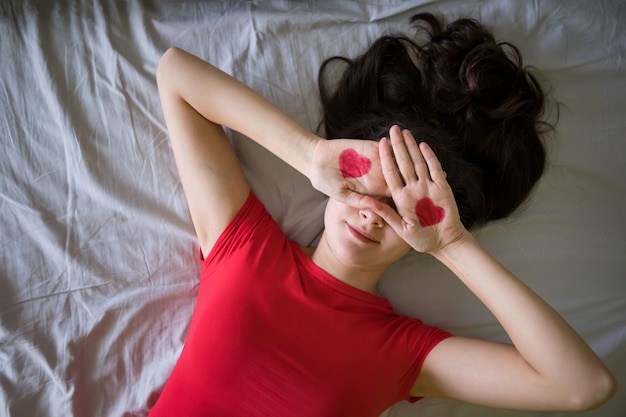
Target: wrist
{"points": [[309, 143], [449, 251], [296, 147]]}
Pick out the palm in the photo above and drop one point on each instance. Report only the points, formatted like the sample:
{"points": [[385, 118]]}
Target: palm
{"points": [[348, 170], [427, 216], [427, 211]]}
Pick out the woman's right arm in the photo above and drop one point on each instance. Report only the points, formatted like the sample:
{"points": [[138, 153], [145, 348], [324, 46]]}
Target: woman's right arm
{"points": [[198, 99], [225, 101]]}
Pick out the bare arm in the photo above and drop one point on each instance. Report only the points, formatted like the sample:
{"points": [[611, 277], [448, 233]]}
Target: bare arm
{"points": [[198, 99], [225, 101], [548, 367], [213, 181]]}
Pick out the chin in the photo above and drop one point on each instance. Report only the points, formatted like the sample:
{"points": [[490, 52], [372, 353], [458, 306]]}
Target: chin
{"points": [[359, 259]]}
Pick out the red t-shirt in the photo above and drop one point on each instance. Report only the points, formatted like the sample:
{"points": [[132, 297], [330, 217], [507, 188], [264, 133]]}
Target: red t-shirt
{"points": [[272, 334]]}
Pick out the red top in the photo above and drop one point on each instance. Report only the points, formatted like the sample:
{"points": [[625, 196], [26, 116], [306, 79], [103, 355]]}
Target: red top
{"points": [[273, 334]]}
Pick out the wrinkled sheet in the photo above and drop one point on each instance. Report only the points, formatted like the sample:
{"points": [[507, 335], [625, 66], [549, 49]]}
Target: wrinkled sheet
{"points": [[98, 260]]}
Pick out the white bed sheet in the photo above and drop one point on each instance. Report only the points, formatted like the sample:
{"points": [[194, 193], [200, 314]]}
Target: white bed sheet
{"points": [[98, 260]]}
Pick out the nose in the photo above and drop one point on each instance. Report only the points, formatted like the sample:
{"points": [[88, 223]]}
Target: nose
{"points": [[370, 217]]}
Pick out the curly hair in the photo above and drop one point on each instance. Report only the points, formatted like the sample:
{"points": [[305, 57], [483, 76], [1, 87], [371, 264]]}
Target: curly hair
{"points": [[467, 95]]}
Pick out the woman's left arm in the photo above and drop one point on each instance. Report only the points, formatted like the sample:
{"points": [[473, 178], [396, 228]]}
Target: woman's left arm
{"points": [[548, 367]]}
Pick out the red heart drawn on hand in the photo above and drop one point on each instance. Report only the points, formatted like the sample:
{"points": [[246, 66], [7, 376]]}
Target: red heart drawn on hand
{"points": [[353, 165], [428, 213]]}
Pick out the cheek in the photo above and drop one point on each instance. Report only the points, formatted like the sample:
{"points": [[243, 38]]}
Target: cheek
{"points": [[336, 211], [396, 246], [333, 217], [330, 213]]}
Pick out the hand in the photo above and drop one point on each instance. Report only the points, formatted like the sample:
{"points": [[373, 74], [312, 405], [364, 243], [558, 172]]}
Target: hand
{"points": [[349, 170], [427, 216]]}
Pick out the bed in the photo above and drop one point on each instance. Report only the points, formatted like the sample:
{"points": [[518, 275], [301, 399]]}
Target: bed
{"points": [[98, 261]]}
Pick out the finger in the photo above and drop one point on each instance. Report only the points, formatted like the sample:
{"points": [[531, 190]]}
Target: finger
{"points": [[434, 166], [354, 199], [388, 165], [403, 159], [420, 166], [389, 215]]}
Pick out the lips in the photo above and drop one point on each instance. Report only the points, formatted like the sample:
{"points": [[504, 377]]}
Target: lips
{"points": [[361, 235]]}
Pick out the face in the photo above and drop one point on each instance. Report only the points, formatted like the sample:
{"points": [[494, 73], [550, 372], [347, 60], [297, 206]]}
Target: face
{"points": [[360, 238]]}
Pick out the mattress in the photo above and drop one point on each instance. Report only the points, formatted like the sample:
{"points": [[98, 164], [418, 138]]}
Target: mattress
{"points": [[98, 259]]}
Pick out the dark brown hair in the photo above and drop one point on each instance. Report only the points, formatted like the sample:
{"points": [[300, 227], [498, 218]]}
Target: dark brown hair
{"points": [[470, 97]]}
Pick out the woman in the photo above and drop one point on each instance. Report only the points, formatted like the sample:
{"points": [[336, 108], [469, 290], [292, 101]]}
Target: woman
{"points": [[282, 330]]}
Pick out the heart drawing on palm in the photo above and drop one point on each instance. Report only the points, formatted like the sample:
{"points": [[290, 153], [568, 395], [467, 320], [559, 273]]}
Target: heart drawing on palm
{"points": [[353, 165], [428, 213]]}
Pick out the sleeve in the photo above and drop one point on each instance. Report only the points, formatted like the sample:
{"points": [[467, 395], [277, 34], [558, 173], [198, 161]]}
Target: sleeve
{"points": [[421, 340], [251, 221]]}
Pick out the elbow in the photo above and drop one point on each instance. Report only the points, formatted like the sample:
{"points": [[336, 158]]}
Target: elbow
{"points": [[594, 392], [165, 64]]}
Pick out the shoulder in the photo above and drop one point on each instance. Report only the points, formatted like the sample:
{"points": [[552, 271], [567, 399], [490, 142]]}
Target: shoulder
{"points": [[252, 223], [308, 250]]}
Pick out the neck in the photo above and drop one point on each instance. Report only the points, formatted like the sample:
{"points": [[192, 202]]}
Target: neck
{"points": [[363, 278]]}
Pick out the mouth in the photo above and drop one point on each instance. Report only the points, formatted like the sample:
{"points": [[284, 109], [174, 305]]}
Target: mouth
{"points": [[361, 235]]}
